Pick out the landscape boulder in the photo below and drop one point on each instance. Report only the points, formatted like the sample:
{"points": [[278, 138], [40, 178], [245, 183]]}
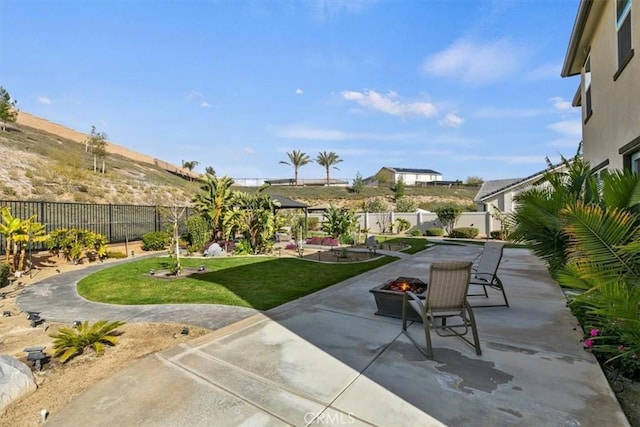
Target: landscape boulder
{"points": [[214, 250], [16, 381]]}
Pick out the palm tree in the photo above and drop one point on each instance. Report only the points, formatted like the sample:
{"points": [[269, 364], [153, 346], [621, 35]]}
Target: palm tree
{"points": [[190, 165], [297, 159], [214, 199], [253, 215], [328, 160]]}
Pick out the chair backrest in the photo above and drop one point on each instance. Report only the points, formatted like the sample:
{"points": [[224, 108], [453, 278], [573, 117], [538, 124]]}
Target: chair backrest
{"points": [[490, 258], [448, 285]]}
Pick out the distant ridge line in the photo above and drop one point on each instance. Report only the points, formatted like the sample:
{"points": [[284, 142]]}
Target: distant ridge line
{"points": [[39, 123]]}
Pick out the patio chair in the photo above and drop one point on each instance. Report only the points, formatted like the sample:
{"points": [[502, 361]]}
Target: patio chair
{"points": [[446, 297], [485, 273]]}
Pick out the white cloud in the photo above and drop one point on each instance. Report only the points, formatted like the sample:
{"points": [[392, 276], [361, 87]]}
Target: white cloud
{"points": [[205, 104], [560, 104], [44, 100], [327, 9], [299, 91], [451, 120], [501, 113], [192, 95], [475, 63], [306, 132], [568, 128], [389, 104]]}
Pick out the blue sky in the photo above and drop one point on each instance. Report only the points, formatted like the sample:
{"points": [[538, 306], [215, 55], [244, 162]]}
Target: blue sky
{"points": [[467, 88]]}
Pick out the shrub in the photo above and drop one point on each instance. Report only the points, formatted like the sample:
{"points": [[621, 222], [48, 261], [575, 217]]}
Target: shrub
{"points": [[346, 239], [73, 242], [416, 232], [198, 232], [402, 225], [406, 205], [69, 342], [313, 223], [435, 231], [291, 246], [4, 274], [116, 255], [496, 234], [322, 241], [464, 233], [155, 241], [243, 247]]}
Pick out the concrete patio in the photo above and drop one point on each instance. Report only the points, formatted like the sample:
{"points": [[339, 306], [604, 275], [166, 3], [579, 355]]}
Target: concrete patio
{"points": [[326, 359]]}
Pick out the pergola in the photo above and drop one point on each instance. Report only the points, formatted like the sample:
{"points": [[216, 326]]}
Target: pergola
{"points": [[287, 203]]}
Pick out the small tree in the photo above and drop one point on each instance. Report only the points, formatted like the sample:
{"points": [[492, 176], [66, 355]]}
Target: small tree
{"points": [[448, 216], [381, 208], [8, 110], [358, 184], [210, 170], [96, 144], [339, 221], [398, 190]]}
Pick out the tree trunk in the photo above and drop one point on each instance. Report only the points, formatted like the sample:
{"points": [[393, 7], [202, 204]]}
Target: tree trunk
{"points": [[327, 176], [295, 181], [95, 164]]}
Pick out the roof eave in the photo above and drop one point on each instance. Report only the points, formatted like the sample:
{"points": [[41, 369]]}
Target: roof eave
{"points": [[572, 66]]}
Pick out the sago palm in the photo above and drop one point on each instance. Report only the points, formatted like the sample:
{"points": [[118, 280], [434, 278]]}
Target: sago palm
{"points": [[69, 342]]}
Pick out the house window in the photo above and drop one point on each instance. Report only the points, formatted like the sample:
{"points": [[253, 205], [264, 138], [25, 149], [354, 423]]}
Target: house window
{"points": [[634, 162], [623, 28], [587, 87]]}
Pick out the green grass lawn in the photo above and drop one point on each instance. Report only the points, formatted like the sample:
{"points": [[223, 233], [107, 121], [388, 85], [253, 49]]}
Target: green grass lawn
{"points": [[258, 282]]}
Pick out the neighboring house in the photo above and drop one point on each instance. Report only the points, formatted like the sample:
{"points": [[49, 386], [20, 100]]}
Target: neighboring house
{"points": [[601, 51], [409, 176], [501, 193]]}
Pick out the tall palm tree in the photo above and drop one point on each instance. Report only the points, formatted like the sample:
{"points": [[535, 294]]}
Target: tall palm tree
{"points": [[297, 159], [327, 160]]}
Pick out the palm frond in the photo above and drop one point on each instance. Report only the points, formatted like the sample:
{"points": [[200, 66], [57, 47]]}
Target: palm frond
{"points": [[595, 237]]}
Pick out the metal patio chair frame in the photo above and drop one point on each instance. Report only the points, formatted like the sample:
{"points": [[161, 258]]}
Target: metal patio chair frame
{"points": [[485, 273], [446, 298]]}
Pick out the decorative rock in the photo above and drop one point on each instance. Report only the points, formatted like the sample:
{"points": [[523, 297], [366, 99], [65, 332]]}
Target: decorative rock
{"points": [[214, 250], [16, 381]]}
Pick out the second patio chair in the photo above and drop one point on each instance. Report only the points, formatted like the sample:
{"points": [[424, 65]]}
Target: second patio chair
{"points": [[485, 273], [446, 298]]}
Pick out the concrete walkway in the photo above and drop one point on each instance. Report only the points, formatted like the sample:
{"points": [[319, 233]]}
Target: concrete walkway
{"points": [[57, 299], [327, 359]]}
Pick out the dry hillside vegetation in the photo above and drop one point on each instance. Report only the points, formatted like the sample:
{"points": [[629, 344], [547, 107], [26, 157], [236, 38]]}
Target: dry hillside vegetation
{"points": [[41, 166], [46, 161]]}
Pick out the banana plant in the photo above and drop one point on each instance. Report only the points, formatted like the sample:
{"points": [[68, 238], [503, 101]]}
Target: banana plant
{"points": [[9, 228], [30, 231]]}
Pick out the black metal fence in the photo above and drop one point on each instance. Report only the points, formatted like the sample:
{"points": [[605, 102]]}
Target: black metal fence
{"points": [[119, 223]]}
